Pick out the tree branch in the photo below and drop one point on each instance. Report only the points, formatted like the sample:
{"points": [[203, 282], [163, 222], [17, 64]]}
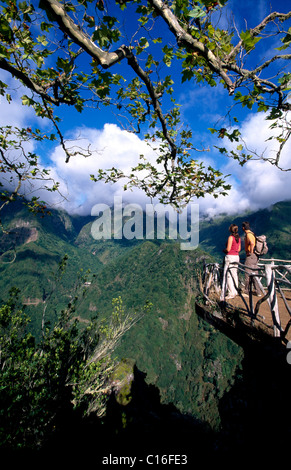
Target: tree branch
{"points": [[256, 31], [132, 61], [107, 59], [185, 38], [26, 80], [215, 63], [268, 62], [67, 25]]}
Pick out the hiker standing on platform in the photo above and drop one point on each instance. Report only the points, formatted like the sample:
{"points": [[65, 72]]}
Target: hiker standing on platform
{"points": [[251, 261], [231, 251]]}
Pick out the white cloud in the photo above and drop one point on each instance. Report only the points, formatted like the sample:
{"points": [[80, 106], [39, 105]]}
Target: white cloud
{"points": [[13, 113], [257, 184], [113, 147], [264, 182], [233, 204]]}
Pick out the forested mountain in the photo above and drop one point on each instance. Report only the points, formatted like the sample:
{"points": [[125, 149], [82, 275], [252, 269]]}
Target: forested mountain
{"points": [[191, 364]]}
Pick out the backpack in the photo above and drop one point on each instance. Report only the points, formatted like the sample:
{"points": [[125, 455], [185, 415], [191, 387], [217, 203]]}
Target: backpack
{"points": [[261, 247]]}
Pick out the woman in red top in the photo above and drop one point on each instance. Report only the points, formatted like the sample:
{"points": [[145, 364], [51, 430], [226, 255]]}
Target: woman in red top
{"points": [[232, 250]]}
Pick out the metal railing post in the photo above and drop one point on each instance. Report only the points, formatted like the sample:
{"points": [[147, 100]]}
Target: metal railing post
{"points": [[272, 300]]}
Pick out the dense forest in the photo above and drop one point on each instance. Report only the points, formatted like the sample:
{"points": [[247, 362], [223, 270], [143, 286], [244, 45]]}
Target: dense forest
{"points": [[168, 368]]}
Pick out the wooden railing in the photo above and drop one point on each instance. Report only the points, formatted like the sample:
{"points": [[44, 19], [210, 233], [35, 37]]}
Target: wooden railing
{"points": [[273, 277]]}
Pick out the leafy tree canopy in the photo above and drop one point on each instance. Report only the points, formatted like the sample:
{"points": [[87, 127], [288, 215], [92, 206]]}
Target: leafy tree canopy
{"points": [[69, 53]]}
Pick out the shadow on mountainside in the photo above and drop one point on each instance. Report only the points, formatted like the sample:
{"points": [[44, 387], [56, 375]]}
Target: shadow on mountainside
{"points": [[255, 413], [143, 427], [255, 422], [155, 428]]}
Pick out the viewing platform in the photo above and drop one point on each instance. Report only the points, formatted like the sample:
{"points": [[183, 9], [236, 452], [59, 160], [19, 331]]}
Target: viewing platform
{"points": [[249, 317]]}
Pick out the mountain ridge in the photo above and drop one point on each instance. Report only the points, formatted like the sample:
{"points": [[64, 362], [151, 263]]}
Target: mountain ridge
{"points": [[191, 364]]}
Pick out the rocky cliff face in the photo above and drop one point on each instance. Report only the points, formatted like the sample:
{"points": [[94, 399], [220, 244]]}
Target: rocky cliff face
{"points": [[19, 233]]}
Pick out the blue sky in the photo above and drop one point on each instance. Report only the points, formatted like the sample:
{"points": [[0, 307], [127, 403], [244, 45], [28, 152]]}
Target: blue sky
{"points": [[254, 186]]}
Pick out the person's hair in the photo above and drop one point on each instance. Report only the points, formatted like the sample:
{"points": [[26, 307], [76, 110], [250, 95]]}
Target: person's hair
{"points": [[246, 225], [234, 231]]}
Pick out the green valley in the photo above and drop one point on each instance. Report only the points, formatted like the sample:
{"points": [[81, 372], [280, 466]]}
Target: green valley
{"points": [[191, 364]]}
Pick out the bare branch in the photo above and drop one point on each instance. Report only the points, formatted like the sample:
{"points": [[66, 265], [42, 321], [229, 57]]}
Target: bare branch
{"points": [[29, 83], [256, 31], [154, 97]]}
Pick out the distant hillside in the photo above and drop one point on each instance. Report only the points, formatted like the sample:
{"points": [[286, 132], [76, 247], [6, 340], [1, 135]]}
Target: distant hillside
{"points": [[191, 364], [186, 361], [30, 253]]}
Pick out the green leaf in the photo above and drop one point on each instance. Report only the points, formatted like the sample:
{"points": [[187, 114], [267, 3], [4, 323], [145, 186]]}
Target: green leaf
{"points": [[26, 101], [287, 38], [5, 30], [42, 40], [197, 12], [45, 26], [248, 40], [168, 55], [157, 40], [285, 80], [143, 42]]}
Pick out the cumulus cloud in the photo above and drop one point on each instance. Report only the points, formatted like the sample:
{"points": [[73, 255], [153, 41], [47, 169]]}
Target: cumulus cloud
{"points": [[257, 184], [111, 146], [233, 204], [263, 182], [13, 113]]}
